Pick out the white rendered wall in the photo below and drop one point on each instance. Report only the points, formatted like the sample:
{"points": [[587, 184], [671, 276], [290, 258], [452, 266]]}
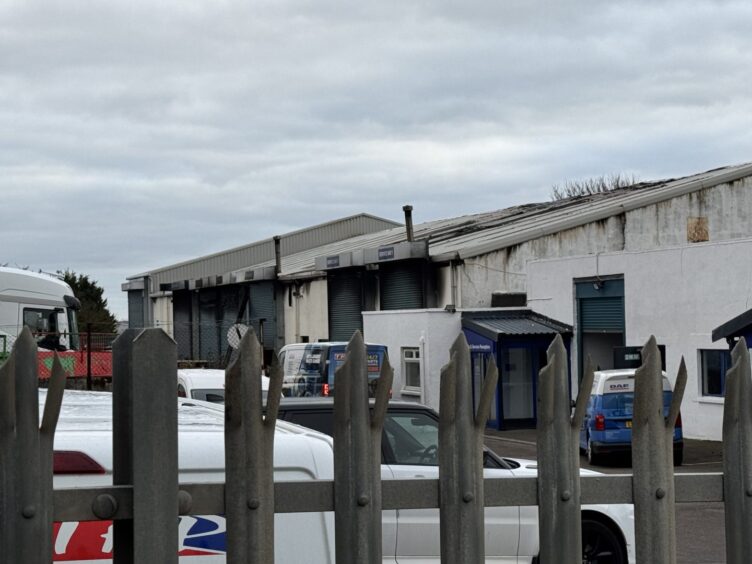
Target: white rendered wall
{"points": [[308, 313], [431, 330], [679, 295], [163, 313], [725, 207]]}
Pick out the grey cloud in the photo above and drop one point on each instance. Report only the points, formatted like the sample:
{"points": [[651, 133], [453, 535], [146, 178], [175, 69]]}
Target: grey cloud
{"points": [[143, 134]]}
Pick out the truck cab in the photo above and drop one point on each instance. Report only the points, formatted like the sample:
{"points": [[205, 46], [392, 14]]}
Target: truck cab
{"points": [[42, 302]]}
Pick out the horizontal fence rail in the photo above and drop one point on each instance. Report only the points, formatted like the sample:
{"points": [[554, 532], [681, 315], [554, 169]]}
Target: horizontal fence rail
{"points": [[304, 497]]}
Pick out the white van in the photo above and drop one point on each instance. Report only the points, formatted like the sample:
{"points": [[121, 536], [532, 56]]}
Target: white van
{"points": [[83, 458], [207, 384], [309, 367]]}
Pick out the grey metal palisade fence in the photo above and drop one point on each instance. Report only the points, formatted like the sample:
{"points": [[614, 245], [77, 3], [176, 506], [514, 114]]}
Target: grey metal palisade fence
{"points": [[145, 497]]}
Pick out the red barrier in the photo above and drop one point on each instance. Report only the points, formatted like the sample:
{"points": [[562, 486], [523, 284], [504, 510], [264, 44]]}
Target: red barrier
{"points": [[75, 363]]}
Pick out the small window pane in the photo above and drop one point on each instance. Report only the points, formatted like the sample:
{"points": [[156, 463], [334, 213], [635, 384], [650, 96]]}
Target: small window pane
{"points": [[714, 364], [411, 367]]}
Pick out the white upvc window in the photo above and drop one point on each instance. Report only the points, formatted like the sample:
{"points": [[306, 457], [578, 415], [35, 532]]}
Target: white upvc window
{"points": [[411, 369]]}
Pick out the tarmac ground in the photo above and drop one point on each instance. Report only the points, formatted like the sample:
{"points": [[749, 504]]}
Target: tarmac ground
{"points": [[700, 528], [699, 456]]}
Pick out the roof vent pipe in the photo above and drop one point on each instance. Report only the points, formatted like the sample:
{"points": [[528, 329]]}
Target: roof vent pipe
{"points": [[408, 209], [277, 255]]}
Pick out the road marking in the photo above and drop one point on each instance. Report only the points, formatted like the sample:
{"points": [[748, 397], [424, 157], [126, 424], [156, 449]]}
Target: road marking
{"points": [[517, 441]]}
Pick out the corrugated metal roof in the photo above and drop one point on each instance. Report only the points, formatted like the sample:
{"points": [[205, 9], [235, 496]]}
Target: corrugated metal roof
{"points": [[458, 237], [513, 322], [537, 220], [263, 251]]}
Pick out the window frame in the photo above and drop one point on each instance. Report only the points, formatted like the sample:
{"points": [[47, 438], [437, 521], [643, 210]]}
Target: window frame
{"points": [[725, 363], [404, 362]]}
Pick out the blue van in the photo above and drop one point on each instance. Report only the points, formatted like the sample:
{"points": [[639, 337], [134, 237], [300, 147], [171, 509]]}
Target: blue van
{"points": [[309, 367], [607, 426]]}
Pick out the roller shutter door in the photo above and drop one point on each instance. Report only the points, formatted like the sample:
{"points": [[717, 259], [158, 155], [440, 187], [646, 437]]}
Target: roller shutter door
{"points": [[263, 306], [602, 314], [401, 287], [345, 298], [136, 309]]}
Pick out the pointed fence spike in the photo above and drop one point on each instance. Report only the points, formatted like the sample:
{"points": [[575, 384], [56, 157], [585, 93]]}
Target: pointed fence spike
{"points": [[652, 463], [737, 456], [460, 463], [558, 463]]}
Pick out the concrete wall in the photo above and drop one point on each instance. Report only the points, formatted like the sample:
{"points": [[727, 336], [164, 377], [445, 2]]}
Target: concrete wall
{"points": [[431, 330], [679, 295], [723, 208], [308, 314]]}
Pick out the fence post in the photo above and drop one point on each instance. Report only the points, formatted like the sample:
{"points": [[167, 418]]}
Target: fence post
{"points": [[653, 459], [461, 458], [357, 457], [26, 455], [88, 356], [737, 457], [559, 458], [249, 455], [145, 394]]}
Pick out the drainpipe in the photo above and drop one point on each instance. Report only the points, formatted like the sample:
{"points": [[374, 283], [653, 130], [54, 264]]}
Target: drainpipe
{"points": [[408, 209], [277, 255]]}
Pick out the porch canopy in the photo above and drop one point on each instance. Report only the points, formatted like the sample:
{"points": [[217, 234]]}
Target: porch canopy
{"points": [[520, 322], [739, 326]]}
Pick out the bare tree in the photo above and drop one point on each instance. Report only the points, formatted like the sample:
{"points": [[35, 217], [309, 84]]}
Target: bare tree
{"points": [[589, 186]]}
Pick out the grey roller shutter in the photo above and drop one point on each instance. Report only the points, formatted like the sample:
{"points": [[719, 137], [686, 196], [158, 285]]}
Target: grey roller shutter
{"points": [[136, 309], [263, 307], [602, 314], [345, 300], [401, 286], [209, 329], [182, 326]]}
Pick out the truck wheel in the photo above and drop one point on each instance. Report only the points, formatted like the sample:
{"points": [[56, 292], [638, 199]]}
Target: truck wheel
{"points": [[600, 544]]}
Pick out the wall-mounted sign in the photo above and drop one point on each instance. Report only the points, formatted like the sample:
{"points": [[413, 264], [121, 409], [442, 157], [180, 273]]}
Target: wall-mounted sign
{"points": [[386, 253], [332, 262]]}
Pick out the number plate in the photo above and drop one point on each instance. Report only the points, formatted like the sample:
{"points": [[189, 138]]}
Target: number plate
{"points": [[628, 424]]}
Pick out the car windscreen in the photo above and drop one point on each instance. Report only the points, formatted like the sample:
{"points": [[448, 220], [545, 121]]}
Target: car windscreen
{"points": [[211, 395]]}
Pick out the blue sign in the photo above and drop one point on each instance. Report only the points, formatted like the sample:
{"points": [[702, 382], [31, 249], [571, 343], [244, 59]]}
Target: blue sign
{"points": [[332, 262], [386, 253]]}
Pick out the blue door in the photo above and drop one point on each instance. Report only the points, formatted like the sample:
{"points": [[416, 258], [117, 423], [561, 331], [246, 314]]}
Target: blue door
{"points": [[479, 364]]}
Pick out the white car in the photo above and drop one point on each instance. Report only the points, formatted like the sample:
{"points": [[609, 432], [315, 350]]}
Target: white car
{"points": [[409, 450], [208, 384]]}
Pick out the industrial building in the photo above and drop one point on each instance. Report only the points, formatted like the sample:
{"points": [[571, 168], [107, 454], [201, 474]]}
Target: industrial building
{"points": [[668, 258]]}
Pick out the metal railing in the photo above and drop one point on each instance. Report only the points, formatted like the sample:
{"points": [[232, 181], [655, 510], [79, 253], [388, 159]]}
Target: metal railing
{"points": [[146, 498]]}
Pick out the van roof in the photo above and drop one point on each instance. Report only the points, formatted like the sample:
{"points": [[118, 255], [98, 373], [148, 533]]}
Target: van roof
{"points": [[210, 378], [327, 344], [602, 376]]}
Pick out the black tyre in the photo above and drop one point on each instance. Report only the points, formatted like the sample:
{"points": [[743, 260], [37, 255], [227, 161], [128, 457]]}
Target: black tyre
{"points": [[678, 456], [592, 458], [601, 544]]}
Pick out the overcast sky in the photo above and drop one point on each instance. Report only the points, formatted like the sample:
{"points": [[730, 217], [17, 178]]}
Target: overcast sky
{"points": [[137, 134]]}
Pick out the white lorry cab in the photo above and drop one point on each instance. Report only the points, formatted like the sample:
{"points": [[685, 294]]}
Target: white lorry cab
{"points": [[42, 302]]}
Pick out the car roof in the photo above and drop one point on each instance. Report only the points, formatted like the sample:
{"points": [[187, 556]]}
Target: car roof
{"points": [[328, 402]]}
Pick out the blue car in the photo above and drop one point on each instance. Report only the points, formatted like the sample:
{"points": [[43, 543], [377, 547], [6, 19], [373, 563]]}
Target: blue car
{"points": [[607, 426]]}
